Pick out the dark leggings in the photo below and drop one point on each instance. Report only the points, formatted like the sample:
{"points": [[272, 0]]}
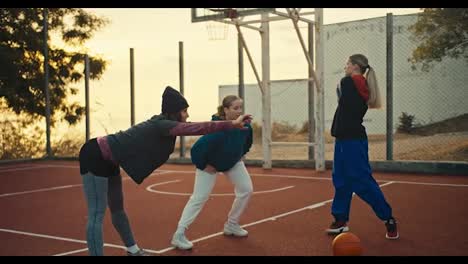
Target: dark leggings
{"points": [[102, 185]]}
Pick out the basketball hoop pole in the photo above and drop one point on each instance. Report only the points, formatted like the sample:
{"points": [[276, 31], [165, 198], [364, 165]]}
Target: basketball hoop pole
{"points": [[264, 86], [294, 18], [236, 17], [250, 58], [320, 110]]}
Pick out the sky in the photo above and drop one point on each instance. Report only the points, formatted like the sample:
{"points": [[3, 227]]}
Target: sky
{"points": [[155, 33]]}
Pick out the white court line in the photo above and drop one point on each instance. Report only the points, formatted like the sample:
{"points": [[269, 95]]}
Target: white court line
{"points": [[63, 187], [66, 239], [160, 183], [40, 190], [20, 165], [41, 167], [272, 218], [160, 172], [71, 252], [150, 189], [25, 168], [433, 184], [254, 174], [329, 179]]}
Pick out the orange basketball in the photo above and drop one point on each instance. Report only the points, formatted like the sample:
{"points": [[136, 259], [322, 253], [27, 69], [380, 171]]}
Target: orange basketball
{"points": [[346, 244]]}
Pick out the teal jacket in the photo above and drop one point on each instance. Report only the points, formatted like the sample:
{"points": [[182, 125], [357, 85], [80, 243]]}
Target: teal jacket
{"points": [[222, 150]]}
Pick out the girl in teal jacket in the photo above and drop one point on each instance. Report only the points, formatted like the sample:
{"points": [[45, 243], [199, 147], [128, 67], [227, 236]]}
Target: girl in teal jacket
{"points": [[219, 152]]}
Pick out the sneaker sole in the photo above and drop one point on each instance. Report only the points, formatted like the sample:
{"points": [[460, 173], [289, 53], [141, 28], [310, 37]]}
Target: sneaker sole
{"points": [[392, 238], [338, 230], [232, 234], [182, 248]]}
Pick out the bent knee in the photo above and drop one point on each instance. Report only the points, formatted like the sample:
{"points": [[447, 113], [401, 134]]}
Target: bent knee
{"points": [[243, 191], [199, 198]]}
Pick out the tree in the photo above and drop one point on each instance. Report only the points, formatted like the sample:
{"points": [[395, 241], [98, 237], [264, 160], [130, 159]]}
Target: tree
{"points": [[441, 32], [22, 60]]}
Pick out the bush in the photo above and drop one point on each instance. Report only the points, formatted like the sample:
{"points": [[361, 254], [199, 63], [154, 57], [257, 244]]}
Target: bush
{"points": [[283, 127], [305, 128], [257, 130], [406, 123], [24, 137], [20, 139], [279, 130], [68, 146]]}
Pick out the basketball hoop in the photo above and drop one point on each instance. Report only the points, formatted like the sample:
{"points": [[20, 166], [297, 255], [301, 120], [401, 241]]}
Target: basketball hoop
{"points": [[219, 30]]}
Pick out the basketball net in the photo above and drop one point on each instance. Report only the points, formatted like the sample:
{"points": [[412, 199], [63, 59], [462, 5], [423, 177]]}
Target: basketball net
{"points": [[218, 30]]}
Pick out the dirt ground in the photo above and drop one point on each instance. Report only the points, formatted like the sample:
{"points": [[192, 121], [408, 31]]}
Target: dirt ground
{"points": [[441, 141], [441, 147], [438, 147]]}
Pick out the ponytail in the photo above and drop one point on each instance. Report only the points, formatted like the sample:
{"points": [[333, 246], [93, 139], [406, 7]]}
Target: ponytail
{"points": [[220, 112], [374, 92]]}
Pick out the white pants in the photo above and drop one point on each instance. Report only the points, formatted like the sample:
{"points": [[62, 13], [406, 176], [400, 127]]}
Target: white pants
{"points": [[203, 186]]}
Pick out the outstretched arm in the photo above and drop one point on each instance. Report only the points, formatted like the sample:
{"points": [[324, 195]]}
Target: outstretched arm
{"points": [[202, 128]]}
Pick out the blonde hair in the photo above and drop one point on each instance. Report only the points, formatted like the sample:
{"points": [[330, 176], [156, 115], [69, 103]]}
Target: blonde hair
{"points": [[227, 102], [369, 73]]}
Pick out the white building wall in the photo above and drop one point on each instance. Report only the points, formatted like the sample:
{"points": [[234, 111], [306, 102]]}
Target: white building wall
{"points": [[430, 96]]}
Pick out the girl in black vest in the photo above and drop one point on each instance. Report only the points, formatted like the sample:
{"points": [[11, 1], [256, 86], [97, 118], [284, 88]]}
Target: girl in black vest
{"points": [[357, 91]]}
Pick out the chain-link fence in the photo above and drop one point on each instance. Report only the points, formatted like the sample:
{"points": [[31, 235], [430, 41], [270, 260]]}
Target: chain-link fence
{"points": [[430, 114], [289, 115], [429, 109]]}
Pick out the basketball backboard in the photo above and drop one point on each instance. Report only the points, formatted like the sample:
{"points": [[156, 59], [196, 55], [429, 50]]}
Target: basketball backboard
{"points": [[207, 14]]}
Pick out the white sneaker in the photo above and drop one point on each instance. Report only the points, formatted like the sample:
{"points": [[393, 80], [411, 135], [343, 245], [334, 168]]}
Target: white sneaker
{"points": [[235, 230], [180, 241]]}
